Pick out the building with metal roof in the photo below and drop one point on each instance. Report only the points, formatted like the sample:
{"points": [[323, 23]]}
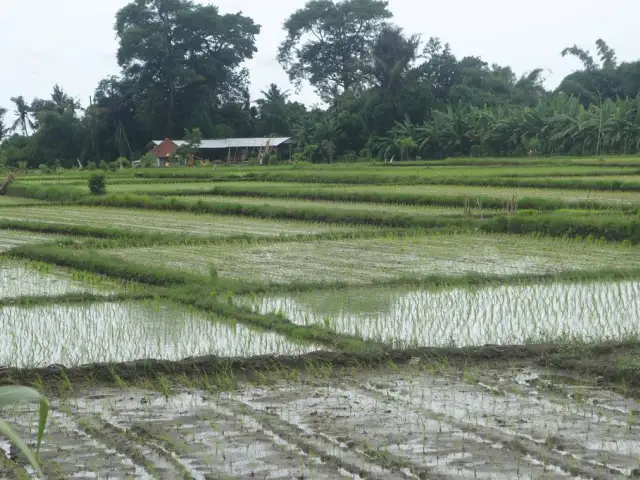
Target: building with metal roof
{"points": [[237, 149], [251, 142]]}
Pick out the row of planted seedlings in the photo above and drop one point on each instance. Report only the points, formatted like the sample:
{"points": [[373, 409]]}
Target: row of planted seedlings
{"points": [[118, 324], [218, 294], [592, 237], [617, 225], [545, 176]]}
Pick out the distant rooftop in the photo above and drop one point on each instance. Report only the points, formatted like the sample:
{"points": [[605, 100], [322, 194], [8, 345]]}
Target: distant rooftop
{"points": [[255, 142]]}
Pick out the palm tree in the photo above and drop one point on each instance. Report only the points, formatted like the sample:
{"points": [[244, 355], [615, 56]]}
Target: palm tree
{"points": [[3, 127], [273, 94], [62, 101], [392, 55], [23, 113]]}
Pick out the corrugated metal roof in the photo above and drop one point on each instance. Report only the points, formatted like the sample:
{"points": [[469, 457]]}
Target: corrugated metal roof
{"points": [[255, 142]]}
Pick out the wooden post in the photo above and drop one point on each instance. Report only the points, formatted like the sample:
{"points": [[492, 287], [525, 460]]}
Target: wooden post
{"points": [[6, 183]]}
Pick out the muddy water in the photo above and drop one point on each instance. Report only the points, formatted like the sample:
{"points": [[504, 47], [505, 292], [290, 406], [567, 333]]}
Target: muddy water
{"points": [[464, 317], [384, 425], [122, 331]]}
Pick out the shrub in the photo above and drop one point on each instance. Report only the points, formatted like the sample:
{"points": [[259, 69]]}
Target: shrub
{"points": [[91, 166], [123, 162], [44, 168], [103, 165], [97, 184], [348, 157], [148, 160], [113, 166]]}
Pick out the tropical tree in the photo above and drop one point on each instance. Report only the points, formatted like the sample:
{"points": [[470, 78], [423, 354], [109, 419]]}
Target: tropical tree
{"points": [[3, 128], [23, 116], [327, 43], [179, 54]]}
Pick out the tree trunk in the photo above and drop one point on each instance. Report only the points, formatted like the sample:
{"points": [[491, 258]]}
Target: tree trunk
{"points": [[5, 184]]}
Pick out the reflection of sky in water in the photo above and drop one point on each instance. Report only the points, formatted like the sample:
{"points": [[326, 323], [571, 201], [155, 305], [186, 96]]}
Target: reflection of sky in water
{"points": [[500, 315], [72, 335], [18, 280]]}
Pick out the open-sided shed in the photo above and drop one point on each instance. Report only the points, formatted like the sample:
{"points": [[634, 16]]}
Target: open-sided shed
{"points": [[230, 149]]}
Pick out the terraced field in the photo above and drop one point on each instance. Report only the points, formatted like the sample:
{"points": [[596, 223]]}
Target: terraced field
{"points": [[367, 260], [163, 222], [339, 321], [401, 193]]}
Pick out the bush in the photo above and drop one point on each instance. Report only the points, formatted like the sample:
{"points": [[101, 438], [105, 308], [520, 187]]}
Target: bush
{"points": [[103, 165], [148, 160], [298, 157], [97, 184], [91, 166], [44, 168], [348, 157], [113, 166], [123, 162]]}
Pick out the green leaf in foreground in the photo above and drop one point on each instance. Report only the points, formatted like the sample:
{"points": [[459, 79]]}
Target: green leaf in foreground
{"points": [[13, 395]]}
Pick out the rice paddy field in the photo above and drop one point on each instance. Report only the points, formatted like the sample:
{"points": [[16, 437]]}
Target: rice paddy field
{"points": [[467, 318]]}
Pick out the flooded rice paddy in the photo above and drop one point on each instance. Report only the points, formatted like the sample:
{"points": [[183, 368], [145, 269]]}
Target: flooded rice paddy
{"points": [[18, 279], [73, 335], [506, 315], [14, 238], [165, 222], [364, 260], [490, 424]]}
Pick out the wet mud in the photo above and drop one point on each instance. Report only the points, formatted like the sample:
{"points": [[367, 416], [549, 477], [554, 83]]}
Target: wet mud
{"points": [[406, 423]]}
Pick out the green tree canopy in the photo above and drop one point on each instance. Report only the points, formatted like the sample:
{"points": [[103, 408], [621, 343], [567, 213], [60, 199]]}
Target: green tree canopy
{"points": [[327, 43], [179, 54]]}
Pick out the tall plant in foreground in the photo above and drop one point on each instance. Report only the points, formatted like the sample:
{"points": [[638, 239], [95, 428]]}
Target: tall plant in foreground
{"points": [[15, 395]]}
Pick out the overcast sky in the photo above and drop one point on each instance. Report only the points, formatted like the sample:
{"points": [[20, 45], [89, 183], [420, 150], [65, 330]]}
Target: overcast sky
{"points": [[72, 42]]}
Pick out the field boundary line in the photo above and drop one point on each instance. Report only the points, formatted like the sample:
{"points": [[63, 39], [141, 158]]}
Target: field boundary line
{"points": [[115, 373]]}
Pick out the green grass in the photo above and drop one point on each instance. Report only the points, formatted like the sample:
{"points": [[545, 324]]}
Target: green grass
{"points": [[350, 207], [450, 195], [11, 201]]}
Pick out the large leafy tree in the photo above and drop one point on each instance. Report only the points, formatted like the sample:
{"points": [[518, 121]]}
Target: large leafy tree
{"points": [[596, 81], [180, 53], [327, 43], [111, 120]]}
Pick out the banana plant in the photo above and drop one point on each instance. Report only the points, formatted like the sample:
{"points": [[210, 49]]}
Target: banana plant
{"points": [[18, 395]]}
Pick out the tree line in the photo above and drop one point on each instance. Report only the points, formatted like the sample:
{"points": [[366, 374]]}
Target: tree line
{"points": [[388, 93]]}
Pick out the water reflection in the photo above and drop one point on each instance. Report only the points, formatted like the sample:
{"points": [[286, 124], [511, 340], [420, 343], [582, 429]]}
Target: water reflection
{"points": [[499, 315], [19, 280], [72, 335]]}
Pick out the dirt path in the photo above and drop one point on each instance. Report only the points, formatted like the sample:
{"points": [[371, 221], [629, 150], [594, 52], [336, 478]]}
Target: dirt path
{"points": [[377, 425]]}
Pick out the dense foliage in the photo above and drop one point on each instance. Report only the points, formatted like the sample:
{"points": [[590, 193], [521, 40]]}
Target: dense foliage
{"points": [[388, 93]]}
